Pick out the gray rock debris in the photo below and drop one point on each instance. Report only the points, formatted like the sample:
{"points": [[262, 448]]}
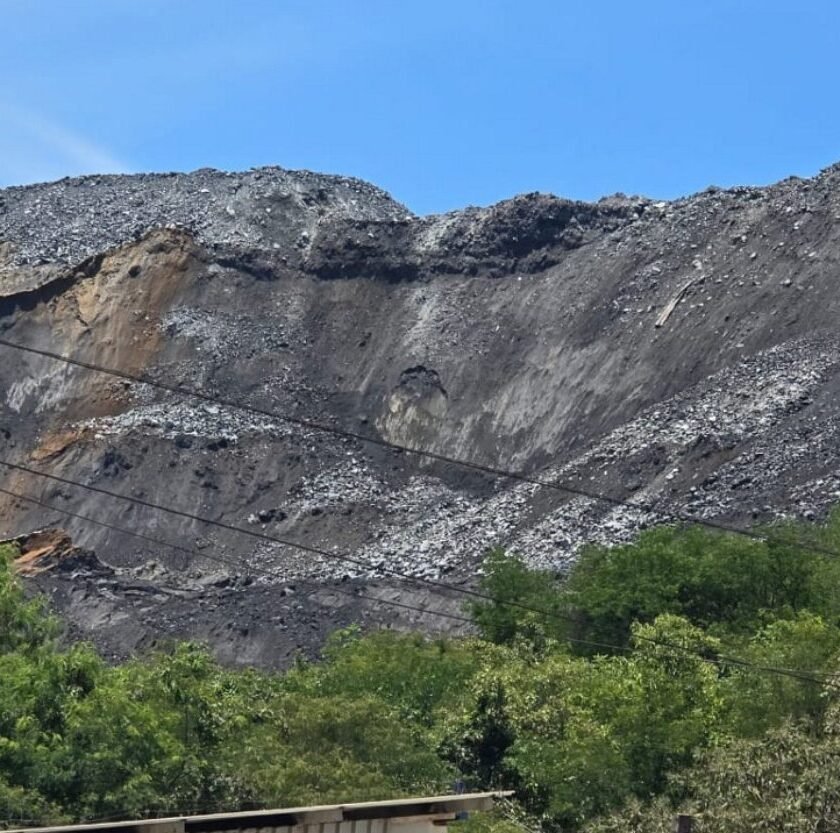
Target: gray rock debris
{"points": [[264, 209], [682, 356]]}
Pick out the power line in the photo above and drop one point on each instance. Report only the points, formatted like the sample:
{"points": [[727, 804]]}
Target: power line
{"points": [[314, 425], [261, 536], [494, 471], [722, 661], [223, 559], [238, 563]]}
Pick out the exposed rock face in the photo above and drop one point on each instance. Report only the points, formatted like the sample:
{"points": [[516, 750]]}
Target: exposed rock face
{"points": [[47, 550], [683, 355], [415, 409]]}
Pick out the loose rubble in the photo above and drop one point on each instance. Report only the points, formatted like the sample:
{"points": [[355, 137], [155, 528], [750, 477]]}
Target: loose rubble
{"points": [[680, 358], [73, 219]]}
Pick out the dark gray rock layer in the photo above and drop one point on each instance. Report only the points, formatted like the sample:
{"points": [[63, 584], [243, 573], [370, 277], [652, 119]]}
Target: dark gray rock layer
{"points": [[679, 355]]}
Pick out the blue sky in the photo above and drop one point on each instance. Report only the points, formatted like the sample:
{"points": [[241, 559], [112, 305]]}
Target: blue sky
{"points": [[444, 104]]}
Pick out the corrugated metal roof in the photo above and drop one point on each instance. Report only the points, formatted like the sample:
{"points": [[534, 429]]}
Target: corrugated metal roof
{"points": [[441, 806]]}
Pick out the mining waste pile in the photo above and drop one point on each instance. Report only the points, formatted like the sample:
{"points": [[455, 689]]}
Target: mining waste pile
{"points": [[680, 358]]}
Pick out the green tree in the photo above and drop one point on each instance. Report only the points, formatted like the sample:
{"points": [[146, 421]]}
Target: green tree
{"points": [[337, 749], [727, 583], [523, 603], [806, 645], [412, 673], [786, 780], [575, 736], [24, 625]]}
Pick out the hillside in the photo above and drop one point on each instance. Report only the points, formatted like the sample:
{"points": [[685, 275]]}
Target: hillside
{"points": [[677, 354]]}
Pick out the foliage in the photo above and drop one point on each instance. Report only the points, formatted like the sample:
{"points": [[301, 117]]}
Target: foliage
{"points": [[760, 701], [724, 582], [575, 736], [331, 749], [174, 731], [522, 604], [788, 780], [677, 706], [505, 817], [414, 675], [23, 624]]}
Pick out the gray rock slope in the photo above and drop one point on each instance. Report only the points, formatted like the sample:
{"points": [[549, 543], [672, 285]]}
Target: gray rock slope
{"points": [[682, 356]]}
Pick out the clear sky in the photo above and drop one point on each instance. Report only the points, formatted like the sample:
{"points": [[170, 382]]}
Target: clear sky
{"points": [[442, 102]]}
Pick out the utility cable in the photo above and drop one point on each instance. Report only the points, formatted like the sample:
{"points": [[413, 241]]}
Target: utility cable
{"points": [[309, 548], [722, 661], [252, 533], [231, 562], [240, 564], [494, 471]]}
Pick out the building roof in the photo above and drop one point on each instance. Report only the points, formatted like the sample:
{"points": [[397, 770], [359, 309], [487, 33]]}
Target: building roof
{"points": [[439, 807]]}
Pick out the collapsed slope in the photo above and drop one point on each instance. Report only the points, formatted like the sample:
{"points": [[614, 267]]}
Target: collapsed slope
{"points": [[682, 355]]}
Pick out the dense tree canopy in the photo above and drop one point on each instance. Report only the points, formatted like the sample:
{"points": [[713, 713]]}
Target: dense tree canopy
{"points": [[677, 706]]}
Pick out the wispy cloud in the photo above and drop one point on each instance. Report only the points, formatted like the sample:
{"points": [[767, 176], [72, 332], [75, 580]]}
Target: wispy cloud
{"points": [[36, 148]]}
